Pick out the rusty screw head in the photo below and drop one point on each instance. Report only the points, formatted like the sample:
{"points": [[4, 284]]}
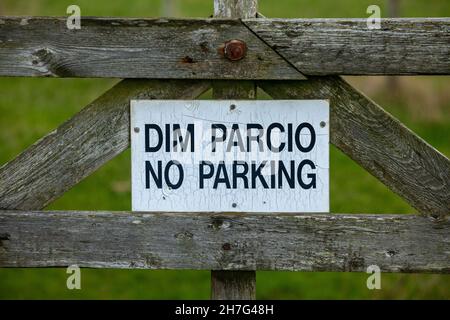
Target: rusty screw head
{"points": [[235, 50]]}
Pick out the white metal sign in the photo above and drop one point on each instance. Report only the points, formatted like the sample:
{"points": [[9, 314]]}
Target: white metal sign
{"points": [[232, 156]]}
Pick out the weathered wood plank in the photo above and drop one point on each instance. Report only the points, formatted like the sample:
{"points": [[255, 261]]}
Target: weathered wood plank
{"points": [[134, 48], [242, 9], [81, 145], [234, 285], [161, 48], [378, 142], [303, 242], [348, 47]]}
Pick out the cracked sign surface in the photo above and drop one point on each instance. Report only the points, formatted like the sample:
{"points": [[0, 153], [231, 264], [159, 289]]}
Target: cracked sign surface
{"points": [[230, 155]]}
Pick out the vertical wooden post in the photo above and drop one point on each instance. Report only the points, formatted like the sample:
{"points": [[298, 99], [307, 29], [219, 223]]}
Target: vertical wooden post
{"points": [[234, 285], [241, 9]]}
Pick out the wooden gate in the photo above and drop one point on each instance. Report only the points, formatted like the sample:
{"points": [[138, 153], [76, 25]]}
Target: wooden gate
{"points": [[181, 59]]}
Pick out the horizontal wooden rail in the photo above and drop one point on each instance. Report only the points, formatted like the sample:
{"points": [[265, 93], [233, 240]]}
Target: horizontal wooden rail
{"points": [[277, 48], [306, 242], [134, 48], [348, 47]]}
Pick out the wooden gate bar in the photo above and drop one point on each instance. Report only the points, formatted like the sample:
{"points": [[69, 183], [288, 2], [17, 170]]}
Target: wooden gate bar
{"points": [[188, 48], [348, 47], [303, 242], [134, 48], [234, 285], [377, 141], [81, 145]]}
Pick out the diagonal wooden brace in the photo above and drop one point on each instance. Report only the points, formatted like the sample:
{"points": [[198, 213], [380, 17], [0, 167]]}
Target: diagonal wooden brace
{"points": [[98, 133], [378, 142]]}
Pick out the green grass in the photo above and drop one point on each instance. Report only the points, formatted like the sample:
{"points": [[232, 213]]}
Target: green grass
{"points": [[30, 108]]}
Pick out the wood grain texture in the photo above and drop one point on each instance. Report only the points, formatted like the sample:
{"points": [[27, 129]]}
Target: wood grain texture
{"points": [[303, 242], [235, 8], [278, 48], [378, 142], [234, 285], [134, 48], [348, 47], [230, 90], [81, 145]]}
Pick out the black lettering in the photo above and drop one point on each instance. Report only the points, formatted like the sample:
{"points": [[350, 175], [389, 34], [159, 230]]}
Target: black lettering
{"points": [[235, 132], [311, 142], [256, 173], [242, 175], [214, 137], [167, 137], [180, 174], [290, 137], [148, 148], [204, 176], [178, 138], [269, 137], [282, 171], [257, 138], [221, 168], [311, 176], [156, 177]]}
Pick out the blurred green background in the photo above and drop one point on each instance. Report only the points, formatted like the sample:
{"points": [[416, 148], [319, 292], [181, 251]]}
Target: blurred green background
{"points": [[30, 108]]}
